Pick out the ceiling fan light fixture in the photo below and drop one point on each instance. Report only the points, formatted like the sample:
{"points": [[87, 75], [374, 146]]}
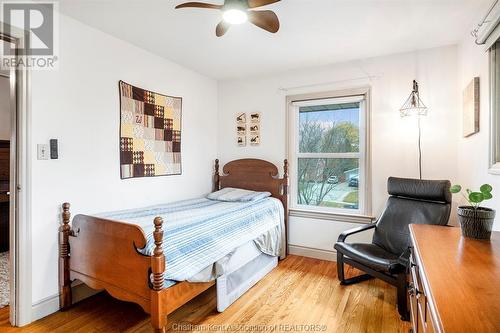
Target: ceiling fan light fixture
{"points": [[235, 16]]}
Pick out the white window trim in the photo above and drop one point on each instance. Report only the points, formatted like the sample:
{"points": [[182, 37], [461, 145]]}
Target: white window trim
{"points": [[494, 163], [365, 207]]}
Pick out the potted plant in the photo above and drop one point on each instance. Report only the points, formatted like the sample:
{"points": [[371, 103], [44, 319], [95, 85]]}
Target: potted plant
{"points": [[475, 221]]}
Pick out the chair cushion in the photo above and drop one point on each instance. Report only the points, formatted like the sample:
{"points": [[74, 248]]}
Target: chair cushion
{"points": [[371, 255], [392, 232], [420, 189]]}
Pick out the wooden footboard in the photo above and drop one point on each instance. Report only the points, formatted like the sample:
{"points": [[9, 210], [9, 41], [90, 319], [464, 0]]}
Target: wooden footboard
{"points": [[104, 254]]}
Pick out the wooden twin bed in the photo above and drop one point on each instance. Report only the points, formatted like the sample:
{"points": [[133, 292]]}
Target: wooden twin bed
{"points": [[104, 254]]}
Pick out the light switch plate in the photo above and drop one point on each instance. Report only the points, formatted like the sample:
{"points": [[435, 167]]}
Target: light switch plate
{"points": [[43, 151], [54, 151]]}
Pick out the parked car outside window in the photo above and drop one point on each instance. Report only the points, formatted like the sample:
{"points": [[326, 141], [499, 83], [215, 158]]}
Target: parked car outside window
{"points": [[354, 181]]}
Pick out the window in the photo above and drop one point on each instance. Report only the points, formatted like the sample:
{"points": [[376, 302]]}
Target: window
{"points": [[328, 150], [495, 108]]}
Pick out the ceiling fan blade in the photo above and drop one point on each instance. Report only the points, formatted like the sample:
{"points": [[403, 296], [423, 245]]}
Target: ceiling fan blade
{"points": [[198, 5], [260, 3], [222, 28], [265, 19]]}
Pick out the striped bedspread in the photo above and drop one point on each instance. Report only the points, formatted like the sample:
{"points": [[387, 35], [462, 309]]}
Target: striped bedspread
{"points": [[199, 232]]}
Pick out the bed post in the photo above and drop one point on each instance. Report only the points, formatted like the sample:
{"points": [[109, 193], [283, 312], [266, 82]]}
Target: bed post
{"points": [[64, 279], [158, 316], [216, 176], [285, 201]]}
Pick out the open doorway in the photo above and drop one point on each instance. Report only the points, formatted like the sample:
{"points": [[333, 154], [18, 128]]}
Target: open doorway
{"points": [[5, 138], [14, 168], [7, 202]]}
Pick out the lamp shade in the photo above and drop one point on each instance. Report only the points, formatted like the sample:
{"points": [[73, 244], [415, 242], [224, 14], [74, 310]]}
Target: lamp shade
{"points": [[413, 105]]}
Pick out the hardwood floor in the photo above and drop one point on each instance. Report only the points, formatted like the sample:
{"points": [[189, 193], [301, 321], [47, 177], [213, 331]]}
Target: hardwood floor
{"points": [[301, 291]]}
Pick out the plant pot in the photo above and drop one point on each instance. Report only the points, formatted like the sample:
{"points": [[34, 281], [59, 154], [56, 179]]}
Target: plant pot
{"points": [[476, 223]]}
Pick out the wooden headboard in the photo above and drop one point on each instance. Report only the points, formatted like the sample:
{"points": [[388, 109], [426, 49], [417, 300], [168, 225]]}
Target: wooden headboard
{"points": [[256, 175]]}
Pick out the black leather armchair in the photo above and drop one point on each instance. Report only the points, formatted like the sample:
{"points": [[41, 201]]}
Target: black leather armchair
{"points": [[386, 257]]}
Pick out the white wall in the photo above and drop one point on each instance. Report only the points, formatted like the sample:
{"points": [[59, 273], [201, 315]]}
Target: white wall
{"points": [[394, 140], [79, 105], [473, 152], [4, 108]]}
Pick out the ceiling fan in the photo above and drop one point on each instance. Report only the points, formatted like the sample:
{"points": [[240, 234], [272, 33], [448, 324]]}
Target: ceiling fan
{"points": [[240, 11]]}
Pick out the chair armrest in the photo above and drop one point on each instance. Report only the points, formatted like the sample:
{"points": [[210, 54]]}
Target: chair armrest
{"points": [[353, 231]]}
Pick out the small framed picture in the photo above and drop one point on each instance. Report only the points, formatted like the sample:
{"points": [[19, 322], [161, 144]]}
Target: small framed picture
{"points": [[242, 141], [254, 128], [255, 140], [255, 117], [471, 108], [241, 129], [241, 118]]}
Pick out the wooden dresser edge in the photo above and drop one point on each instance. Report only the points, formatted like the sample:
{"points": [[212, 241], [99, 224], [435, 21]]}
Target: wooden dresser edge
{"points": [[436, 320]]}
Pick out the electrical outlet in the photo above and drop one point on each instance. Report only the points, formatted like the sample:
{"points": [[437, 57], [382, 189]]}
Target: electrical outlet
{"points": [[43, 151]]}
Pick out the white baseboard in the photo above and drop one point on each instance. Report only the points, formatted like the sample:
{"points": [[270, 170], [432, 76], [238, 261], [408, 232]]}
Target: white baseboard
{"points": [[312, 253], [50, 304], [44, 307]]}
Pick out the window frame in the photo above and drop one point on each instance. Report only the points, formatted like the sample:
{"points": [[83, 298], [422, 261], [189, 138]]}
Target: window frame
{"points": [[494, 162], [293, 103]]}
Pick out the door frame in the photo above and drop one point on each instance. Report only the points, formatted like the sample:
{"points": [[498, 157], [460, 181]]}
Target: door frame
{"points": [[20, 186]]}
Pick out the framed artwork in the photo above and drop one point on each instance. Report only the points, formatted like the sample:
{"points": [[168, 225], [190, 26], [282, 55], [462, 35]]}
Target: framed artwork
{"points": [[241, 129], [255, 117], [150, 133], [471, 108], [255, 129], [255, 139], [241, 118]]}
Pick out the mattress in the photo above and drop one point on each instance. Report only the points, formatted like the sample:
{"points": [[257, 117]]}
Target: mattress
{"points": [[199, 233]]}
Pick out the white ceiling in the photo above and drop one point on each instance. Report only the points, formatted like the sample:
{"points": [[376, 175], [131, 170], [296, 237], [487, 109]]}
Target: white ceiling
{"points": [[313, 32]]}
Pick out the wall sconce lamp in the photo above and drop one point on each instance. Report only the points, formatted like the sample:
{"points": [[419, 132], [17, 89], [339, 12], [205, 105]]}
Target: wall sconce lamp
{"points": [[414, 106]]}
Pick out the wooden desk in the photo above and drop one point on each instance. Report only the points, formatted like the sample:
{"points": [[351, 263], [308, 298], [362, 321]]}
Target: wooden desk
{"points": [[455, 281]]}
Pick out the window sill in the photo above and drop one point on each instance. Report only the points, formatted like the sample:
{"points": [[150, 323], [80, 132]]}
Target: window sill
{"points": [[494, 169], [338, 217]]}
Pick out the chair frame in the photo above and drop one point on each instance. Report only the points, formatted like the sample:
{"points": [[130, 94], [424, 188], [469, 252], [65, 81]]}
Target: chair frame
{"points": [[399, 280]]}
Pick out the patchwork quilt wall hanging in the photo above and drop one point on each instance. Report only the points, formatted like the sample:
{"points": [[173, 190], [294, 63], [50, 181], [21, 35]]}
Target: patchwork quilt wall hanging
{"points": [[150, 133]]}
